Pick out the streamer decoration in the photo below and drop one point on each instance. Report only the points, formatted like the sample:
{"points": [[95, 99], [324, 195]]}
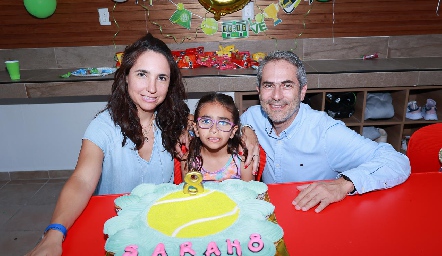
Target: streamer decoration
{"points": [[437, 8], [299, 35], [116, 24], [333, 25], [195, 36], [303, 26], [167, 35]]}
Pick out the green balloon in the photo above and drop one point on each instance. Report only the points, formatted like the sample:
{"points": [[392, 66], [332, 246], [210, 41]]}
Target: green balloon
{"points": [[41, 8]]}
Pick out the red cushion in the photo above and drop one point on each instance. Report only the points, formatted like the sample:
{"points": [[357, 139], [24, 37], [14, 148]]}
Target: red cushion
{"points": [[423, 148], [177, 178]]}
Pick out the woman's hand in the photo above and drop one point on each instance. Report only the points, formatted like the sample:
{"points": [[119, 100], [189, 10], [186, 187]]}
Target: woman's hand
{"points": [[251, 140], [73, 198], [50, 245], [182, 146]]}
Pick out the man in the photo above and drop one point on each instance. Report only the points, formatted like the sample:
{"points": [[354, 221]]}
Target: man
{"points": [[303, 144]]}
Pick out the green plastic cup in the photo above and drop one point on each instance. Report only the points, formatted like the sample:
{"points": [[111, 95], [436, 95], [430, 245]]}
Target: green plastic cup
{"points": [[13, 67]]}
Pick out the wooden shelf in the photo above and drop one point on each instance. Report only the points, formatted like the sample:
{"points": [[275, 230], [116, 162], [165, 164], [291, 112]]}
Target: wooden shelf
{"points": [[396, 127]]}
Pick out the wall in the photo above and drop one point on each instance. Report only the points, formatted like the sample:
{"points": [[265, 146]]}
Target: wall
{"points": [[75, 22], [42, 136], [307, 49], [48, 136]]}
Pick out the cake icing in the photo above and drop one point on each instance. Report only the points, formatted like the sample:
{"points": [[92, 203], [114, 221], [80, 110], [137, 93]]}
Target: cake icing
{"points": [[225, 219]]}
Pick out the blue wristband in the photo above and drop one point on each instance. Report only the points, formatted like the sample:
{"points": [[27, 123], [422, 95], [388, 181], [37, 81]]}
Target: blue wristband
{"points": [[58, 227]]}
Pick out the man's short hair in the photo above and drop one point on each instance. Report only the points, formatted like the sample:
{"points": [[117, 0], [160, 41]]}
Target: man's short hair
{"points": [[288, 56]]}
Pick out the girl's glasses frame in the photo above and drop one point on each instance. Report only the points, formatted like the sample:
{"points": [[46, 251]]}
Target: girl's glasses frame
{"points": [[203, 123]]}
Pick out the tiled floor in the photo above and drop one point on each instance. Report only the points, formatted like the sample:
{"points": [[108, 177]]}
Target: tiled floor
{"points": [[26, 208]]}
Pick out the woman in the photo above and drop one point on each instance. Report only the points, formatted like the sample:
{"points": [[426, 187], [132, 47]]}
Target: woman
{"points": [[123, 146]]}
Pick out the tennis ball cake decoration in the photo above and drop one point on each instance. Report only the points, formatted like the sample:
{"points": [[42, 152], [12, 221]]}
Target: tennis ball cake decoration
{"points": [[190, 219]]}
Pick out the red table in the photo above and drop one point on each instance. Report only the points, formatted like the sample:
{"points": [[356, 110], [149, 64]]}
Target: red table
{"points": [[404, 220]]}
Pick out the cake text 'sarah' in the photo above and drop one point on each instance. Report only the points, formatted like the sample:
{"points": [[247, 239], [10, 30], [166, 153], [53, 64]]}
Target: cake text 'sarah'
{"points": [[233, 248], [226, 218]]}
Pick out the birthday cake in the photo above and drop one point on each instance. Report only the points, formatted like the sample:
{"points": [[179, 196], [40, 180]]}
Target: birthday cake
{"points": [[227, 218]]}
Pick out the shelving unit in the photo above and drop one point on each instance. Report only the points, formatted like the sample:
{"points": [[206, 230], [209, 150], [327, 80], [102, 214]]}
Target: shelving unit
{"points": [[396, 127]]}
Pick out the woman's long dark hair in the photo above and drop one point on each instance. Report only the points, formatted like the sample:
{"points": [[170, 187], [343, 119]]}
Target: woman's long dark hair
{"points": [[172, 113], [194, 159]]}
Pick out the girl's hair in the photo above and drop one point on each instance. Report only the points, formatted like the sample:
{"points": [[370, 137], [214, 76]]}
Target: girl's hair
{"points": [[194, 157], [172, 113]]}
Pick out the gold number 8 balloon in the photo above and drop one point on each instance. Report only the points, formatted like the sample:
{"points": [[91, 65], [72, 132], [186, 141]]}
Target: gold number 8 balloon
{"points": [[222, 7]]}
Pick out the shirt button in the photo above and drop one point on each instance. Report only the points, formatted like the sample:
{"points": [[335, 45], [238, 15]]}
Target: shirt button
{"points": [[277, 165]]}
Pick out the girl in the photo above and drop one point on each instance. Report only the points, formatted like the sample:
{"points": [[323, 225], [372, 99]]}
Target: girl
{"points": [[214, 150]]}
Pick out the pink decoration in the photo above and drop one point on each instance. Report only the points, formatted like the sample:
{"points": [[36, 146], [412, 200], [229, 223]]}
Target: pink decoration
{"points": [[212, 248], [255, 239], [131, 250], [159, 250], [186, 247], [235, 244], [255, 245]]}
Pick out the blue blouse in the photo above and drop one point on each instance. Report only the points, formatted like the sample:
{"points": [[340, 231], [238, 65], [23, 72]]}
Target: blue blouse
{"points": [[123, 168]]}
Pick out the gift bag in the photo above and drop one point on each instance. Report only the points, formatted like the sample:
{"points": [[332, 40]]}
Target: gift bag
{"points": [[379, 106]]}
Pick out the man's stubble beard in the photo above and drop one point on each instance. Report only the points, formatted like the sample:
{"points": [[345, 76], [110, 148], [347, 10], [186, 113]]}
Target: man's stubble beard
{"points": [[279, 117]]}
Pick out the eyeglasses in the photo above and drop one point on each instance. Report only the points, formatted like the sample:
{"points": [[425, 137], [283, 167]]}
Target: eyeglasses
{"points": [[222, 125]]}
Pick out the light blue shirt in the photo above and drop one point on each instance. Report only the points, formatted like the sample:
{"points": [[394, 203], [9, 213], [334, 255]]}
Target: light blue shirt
{"points": [[318, 147], [123, 167]]}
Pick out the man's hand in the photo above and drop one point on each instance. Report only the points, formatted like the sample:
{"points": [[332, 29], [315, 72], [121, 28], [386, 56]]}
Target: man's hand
{"points": [[251, 141], [322, 193]]}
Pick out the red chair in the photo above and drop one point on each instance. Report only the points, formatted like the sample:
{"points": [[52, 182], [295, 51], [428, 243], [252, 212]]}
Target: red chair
{"points": [[177, 178], [423, 149], [262, 163]]}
